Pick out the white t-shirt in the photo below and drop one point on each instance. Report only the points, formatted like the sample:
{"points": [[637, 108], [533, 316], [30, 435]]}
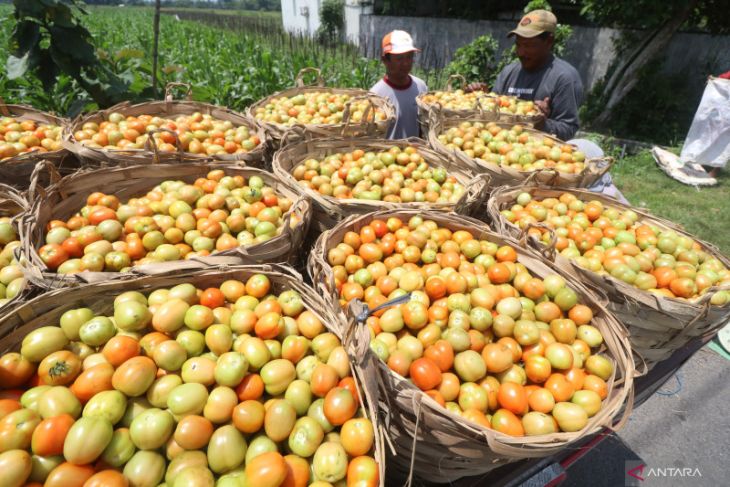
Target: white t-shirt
{"points": [[406, 110]]}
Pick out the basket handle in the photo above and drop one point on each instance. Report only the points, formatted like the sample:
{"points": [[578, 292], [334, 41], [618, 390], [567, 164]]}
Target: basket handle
{"points": [[548, 250], [151, 144], [485, 113], [347, 115], [297, 130], [175, 84], [435, 117], [458, 77], [476, 197], [35, 189], [4, 108], [299, 80]]}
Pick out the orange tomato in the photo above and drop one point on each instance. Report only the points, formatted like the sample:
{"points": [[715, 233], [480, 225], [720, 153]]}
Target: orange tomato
{"points": [[15, 370], [512, 397], [69, 475], [119, 349], [339, 406], [297, 472], [507, 422], [48, 437], [266, 470], [92, 381], [193, 432], [107, 478], [559, 386], [251, 387], [324, 379]]}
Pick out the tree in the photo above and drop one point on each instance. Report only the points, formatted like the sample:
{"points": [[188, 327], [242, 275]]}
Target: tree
{"points": [[332, 21], [48, 39], [659, 20]]}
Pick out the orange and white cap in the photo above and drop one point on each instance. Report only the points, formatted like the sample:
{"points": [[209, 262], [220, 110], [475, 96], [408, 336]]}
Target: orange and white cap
{"points": [[398, 42]]}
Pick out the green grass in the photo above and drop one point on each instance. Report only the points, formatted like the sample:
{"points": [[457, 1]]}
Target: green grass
{"points": [[702, 212]]}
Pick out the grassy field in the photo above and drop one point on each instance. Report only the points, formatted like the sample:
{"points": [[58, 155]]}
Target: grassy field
{"points": [[276, 15], [702, 212]]}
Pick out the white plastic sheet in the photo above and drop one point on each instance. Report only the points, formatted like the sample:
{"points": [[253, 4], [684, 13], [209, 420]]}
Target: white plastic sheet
{"points": [[708, 139]]}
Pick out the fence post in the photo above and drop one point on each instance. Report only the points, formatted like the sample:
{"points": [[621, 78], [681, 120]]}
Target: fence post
{"points": [[156, 29]]}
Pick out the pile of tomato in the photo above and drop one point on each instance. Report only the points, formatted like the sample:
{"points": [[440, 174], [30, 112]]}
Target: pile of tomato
{"points": [[454, 100], [21, 136], [396, 176], [231, 385], [12, 281], [617, 242], [315, 108], [513, 147], [197, 134], [479, 334], [174, 220]]}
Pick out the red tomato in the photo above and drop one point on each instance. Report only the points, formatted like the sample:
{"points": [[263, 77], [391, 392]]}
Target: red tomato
{"points": [[425, 374], [100, 214], [212, 298], [73, 247], [52, 255]]}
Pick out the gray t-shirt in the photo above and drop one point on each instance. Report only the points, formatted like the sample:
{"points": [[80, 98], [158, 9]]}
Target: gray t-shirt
{"points": [[406, 110], [557, 80]]}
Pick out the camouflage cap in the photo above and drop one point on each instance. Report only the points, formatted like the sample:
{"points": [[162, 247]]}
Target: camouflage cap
{"points": [[535, 23]]}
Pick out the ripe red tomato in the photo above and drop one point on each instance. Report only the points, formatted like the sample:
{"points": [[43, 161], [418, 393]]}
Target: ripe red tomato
{"points": [[52, 255], [212, 298], [425, 374]]}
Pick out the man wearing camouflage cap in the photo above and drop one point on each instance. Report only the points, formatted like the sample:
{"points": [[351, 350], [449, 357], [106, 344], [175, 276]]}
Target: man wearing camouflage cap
{"points": [[553, 84], [539, 75]]}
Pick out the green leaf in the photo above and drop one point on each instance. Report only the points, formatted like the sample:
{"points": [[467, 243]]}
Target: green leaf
{"points": [[17, 66]]}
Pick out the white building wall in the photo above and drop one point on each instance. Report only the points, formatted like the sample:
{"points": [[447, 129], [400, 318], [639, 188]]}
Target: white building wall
{"points": [[301, 16], [353, 10]]}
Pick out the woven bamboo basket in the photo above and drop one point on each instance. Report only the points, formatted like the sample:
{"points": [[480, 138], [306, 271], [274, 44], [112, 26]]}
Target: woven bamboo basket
{"points": [[480, 108], [657, 325], [348, 128], [47, 309], [430, 441], [150, 154], [595, 168], [68, 195], [16, 171], [14, 205], [328, 210]]}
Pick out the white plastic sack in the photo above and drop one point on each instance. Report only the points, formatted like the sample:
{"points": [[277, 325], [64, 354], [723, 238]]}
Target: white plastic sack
{"points": [[708, 139]]}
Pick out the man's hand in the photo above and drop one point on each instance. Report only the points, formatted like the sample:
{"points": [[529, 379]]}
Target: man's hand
{"points": [[544, 106], [476, 87]]}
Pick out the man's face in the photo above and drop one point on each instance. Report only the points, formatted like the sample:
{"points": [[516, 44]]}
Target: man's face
{"points": [[533, 51], [398, 65]]}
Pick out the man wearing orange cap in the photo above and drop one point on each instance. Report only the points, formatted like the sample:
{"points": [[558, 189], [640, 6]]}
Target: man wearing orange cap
{"points": [[399, 85]]}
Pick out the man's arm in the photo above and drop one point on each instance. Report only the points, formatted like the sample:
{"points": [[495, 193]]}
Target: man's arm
{"points": [[563, 121]]}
